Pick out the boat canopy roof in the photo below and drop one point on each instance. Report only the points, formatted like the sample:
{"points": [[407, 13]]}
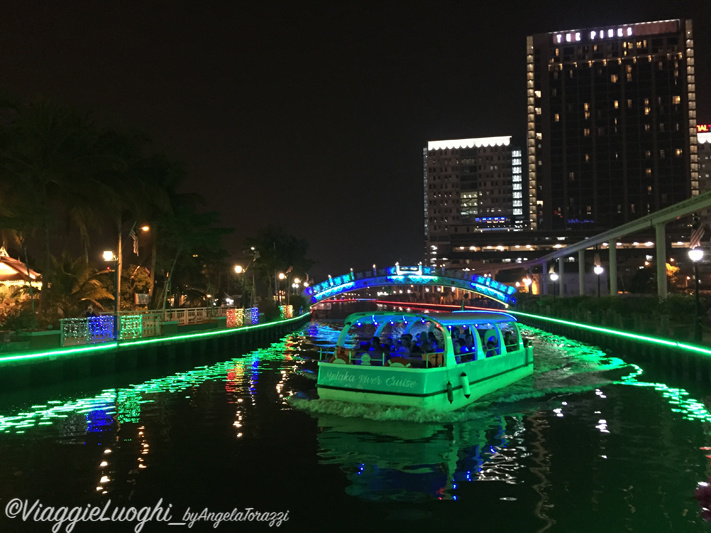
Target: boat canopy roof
{"points": [[456, 318]]}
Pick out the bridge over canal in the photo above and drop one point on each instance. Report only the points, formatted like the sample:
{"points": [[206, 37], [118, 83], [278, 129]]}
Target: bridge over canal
{"points": [[412, 276]]}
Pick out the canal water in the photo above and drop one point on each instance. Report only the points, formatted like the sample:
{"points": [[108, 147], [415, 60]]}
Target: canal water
{"points": [[590, 442]]}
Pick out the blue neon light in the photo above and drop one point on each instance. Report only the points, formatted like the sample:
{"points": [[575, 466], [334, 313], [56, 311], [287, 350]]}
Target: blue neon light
{"points": [[419, 275]]}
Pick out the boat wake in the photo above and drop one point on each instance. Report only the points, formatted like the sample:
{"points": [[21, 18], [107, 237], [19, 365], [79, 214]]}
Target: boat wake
{"points": [[558, 373]]}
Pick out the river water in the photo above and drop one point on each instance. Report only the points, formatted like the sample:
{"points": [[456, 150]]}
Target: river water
{"points": [[588, 443]]}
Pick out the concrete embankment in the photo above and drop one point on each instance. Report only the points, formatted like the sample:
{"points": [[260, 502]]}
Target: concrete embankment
{"points": [[688, 360], [185, 346]]}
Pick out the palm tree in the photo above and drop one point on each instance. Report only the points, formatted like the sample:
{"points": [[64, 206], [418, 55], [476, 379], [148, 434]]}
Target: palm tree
{"points": [[48, 160], [77, 285], [279, 250]]}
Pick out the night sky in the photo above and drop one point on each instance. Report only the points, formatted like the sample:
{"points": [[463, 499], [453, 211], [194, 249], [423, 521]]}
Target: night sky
{"points": [[310, 116]]}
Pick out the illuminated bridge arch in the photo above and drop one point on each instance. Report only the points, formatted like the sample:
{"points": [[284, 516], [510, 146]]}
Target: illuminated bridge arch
{"points": [[419, 275]]}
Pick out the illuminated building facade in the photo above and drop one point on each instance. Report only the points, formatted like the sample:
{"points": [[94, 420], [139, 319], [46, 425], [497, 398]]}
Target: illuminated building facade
{"points": [[611, 124], [470, 186], [704, 140]]}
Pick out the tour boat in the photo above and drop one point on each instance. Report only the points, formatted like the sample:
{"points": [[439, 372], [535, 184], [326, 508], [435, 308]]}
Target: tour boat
{"points": [[372, 364]]}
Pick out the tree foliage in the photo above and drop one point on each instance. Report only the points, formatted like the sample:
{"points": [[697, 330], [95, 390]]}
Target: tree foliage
{"points": [[65, 176], [279, 251]]}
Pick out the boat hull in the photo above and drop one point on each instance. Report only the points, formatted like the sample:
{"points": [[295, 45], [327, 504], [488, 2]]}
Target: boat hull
{"points": [[439, 389]]}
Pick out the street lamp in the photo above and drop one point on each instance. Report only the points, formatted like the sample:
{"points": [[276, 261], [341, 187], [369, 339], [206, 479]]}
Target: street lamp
{"points": [[282, 277], [239, 270], [554, 277], [598, 271], [527, 282], [695, 254], [110, 257]]}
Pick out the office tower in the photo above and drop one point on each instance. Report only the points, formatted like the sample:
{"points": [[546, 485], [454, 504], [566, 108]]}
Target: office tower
{"points": [[611, 124], [704, 139], [470, 186]]}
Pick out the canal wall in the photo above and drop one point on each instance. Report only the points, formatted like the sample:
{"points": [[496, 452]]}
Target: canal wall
{"points": [[185, 345], [677, 357]]}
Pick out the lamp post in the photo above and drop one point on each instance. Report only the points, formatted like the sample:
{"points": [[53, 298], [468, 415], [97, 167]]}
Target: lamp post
{"points": [[695, 254], [598, 271], [282, 277], [527, 282], [554, 277], [110, 257], [240, 272]]}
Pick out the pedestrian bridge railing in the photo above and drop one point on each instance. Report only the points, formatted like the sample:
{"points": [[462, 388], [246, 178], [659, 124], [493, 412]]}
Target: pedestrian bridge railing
{"points": [[136, 325]]}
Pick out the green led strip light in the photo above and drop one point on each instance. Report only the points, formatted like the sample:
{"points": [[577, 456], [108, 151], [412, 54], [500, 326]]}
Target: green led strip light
{"points": [[617, 333], [62, 352], [126, 402], [59, 352]]}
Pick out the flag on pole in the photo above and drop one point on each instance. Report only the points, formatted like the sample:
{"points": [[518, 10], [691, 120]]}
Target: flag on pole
{"points": [[696, 235], [133, 235]]}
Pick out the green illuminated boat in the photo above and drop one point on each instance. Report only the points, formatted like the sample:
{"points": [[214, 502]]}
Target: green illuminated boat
{"points": [[468, 354]]}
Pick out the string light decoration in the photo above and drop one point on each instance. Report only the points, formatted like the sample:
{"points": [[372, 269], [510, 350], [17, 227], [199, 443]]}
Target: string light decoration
{"points": [[231, 315], [131, 327], [419, 275], [87, 330], [253, 315]]}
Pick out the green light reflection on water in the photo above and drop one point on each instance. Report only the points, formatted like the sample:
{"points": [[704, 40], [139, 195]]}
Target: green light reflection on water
{"points": [[125, 402], [688, 407]]}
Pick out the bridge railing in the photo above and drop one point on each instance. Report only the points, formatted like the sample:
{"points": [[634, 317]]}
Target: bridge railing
{"points": [[102, 328], [409, 275]]}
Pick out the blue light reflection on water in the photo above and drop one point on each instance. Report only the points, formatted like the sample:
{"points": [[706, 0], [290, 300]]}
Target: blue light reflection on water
{"points": [[521, 451]]}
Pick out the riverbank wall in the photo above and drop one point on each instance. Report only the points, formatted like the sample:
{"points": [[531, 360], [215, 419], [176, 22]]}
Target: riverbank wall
{"points": [[677, 357], [182, 345]]}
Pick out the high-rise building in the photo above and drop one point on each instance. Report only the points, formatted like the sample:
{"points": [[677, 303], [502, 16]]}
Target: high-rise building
{"points": [[470, 186], [704, 139], [611, 124]]}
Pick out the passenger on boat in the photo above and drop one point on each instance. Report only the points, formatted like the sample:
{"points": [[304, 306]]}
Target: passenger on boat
{"points": [[432, 341], [490, 349], [403, 346], [455, 334], [461, 351], [510, 340], [375, 345], [422, 344], [469, 340]]}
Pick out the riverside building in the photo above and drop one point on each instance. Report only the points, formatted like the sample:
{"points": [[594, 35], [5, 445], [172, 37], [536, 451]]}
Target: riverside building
{"points": [[611, 124], [471, 186], [704, 140]]}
